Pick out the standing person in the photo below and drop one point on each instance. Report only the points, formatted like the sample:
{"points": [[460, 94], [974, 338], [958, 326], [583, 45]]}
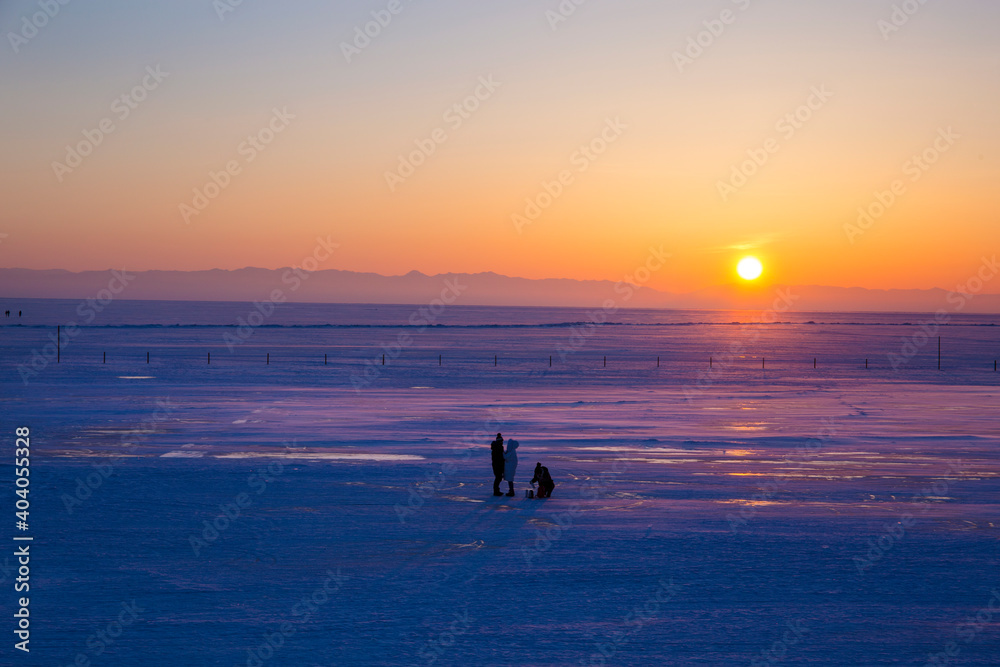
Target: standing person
{"points": [[496, 453], [510, 465]]}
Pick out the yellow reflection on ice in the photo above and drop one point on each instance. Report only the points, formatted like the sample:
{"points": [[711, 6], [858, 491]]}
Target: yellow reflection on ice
{"points": [[748, 426], [750, 503], [322, 456]]}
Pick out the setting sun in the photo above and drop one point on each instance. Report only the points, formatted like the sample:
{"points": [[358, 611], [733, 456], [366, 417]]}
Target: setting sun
{"points": [[749, 268]]}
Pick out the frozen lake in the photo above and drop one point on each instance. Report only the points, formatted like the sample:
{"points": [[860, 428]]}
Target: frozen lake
{"points": [[755, 511]]}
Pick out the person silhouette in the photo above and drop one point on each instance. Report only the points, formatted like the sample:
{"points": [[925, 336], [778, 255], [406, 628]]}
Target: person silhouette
{"points": [[544, 480], [496, 453], [510, 465]]}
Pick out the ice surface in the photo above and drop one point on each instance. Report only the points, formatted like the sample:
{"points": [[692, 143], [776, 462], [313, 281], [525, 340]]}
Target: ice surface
{"points": [[732, 509]]}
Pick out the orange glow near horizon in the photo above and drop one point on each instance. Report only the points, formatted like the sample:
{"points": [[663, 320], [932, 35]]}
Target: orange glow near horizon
{"points": [[564, 160]]}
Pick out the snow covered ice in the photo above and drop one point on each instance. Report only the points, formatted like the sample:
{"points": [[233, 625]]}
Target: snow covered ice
{"points": [[294, 512]]}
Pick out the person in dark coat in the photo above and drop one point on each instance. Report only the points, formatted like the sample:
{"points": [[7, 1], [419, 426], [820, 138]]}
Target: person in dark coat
{"points": [[496, 453], [544, 480]]}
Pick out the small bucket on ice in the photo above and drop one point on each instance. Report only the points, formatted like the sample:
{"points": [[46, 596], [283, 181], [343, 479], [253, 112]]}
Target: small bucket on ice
{"points": [[529, 493]]}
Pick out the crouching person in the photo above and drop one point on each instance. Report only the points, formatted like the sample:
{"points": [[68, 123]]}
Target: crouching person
{"points": [[544, 480]]}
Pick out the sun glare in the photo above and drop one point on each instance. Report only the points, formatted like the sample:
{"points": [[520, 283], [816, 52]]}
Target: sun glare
{"points": [[749, 268]]}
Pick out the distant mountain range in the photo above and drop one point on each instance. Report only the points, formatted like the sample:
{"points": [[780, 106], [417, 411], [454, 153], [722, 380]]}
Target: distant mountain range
{"points": [[334, 286]]}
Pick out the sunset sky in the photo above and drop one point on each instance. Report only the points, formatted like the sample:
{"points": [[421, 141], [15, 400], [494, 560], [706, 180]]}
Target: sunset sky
{"points": [[673, 130]]}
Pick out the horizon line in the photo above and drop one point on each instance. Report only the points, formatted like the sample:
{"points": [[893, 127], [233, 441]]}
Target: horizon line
{"points": [[755, 286]]}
